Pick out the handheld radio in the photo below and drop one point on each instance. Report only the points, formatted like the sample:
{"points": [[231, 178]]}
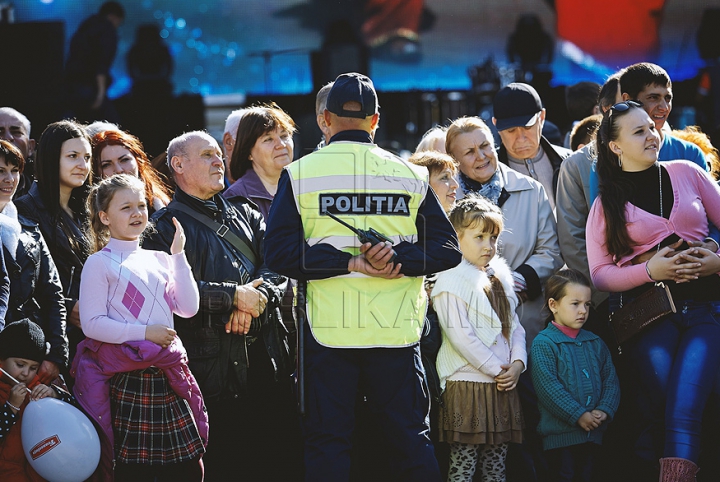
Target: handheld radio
{"points": [[365, 235]]}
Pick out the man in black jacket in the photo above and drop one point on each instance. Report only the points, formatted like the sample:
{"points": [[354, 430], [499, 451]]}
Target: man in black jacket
{"points": [[236, 343]]}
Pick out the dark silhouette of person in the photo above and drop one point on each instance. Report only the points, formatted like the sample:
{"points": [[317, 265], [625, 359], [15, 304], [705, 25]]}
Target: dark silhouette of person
{"points": [[150, 110], [87, 70], [149, 63], [530, 46]]}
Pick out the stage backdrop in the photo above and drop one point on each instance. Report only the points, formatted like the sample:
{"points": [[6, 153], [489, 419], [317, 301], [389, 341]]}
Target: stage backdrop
{"points": [[259, 47]]}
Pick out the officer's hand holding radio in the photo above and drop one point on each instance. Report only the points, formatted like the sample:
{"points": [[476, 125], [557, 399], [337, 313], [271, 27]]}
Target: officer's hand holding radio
{"points": [[378, 254], [361, 264]]}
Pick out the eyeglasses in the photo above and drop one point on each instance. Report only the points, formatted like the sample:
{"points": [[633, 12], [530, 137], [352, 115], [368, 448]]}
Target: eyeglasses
{"points": [[623, 106]]}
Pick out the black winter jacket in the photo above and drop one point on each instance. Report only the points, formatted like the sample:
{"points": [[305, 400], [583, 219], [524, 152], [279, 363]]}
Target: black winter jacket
{"points": [[69, 256], [35, 290], [67, 245], [219, 360]]}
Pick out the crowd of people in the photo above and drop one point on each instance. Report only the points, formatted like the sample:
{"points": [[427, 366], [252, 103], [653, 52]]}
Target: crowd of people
{"points": [[458, 301]]}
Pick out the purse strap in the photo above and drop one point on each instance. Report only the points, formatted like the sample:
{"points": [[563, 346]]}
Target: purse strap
{"points": [[220, 229], [657, 283]]}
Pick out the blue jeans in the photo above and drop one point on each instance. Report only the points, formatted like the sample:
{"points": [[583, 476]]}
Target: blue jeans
{"points": [[677, 361]]}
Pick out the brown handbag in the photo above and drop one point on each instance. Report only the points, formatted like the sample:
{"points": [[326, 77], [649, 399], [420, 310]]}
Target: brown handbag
{"points": [[647, 308], [642, 312]]}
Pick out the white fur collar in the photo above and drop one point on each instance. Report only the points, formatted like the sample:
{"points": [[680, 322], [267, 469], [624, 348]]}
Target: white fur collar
{"points": [[477, 278], [10, 228], [468, 283]]}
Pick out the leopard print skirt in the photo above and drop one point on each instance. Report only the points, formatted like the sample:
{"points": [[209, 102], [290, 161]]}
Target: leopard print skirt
{"points": [[477, 413]]}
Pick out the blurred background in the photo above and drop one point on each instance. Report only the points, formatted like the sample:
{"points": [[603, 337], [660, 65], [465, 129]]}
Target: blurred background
{"points": [[431, 60]]}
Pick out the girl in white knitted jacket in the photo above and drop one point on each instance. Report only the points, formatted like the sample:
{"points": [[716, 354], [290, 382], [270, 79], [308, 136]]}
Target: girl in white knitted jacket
{"points": [[483, 350]]}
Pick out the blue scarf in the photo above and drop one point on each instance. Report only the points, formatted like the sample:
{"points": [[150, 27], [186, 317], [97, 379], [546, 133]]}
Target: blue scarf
{"points": [[490, 190]]}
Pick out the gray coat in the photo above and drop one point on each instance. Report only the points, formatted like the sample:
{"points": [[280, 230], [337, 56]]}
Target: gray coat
{"points": [[572, 204]]}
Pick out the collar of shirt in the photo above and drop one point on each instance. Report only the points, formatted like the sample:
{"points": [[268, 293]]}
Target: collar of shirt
{"points": [[352, 136], [535, 158], [571, 332], [253, 186]]}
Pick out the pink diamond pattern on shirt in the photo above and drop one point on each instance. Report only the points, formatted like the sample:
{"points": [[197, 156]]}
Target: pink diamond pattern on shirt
{"points": [[133, 300]]}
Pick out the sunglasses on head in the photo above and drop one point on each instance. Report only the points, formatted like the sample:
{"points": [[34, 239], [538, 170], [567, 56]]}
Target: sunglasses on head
{"points": [[623, 106]]}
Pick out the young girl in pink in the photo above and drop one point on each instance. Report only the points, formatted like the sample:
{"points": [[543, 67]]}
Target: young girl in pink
{"points": [[131, 372], [483, 350]]}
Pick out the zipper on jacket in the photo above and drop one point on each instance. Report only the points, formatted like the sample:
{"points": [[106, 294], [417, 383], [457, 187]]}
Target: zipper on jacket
{"points": [[72, 275]]}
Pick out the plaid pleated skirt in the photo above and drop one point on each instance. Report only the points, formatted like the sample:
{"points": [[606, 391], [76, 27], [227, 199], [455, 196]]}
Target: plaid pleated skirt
{"points": [[151, 423]]}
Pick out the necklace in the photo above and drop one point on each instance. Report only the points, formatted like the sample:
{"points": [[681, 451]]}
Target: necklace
{"points": [[661, 200]]}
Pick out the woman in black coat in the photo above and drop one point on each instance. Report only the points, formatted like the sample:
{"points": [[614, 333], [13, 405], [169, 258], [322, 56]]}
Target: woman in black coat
{"points": [[35, 289], [56, 202]]}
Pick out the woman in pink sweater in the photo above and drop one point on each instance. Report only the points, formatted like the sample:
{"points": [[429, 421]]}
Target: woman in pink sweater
{"points": [[639, 231], [127, 298]]}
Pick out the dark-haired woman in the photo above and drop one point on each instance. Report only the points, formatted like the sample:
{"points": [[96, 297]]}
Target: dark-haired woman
{"points": [[117, 152], [35, 289], [635, 233], [56, 202], [263, 146]]}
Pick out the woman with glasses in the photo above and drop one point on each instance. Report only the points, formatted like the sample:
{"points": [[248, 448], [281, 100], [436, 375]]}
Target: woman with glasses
{"points": [[637, 235], [263, 146]]}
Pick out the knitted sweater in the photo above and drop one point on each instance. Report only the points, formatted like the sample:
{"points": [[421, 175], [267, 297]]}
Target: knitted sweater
{"points": [[125, 288], [473, 347], [571, 377]]}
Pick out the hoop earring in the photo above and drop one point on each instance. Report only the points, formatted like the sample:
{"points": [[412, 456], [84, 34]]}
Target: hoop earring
{"points": [[620, 160]]}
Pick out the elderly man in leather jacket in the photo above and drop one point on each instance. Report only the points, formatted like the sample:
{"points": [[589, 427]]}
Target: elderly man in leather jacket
{"points": [[236, 343]]}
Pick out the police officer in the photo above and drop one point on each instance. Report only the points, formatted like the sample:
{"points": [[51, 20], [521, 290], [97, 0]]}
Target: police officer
{"points": [[365, 303]]}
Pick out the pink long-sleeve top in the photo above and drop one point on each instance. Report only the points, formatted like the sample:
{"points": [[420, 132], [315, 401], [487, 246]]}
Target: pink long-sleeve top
{"points": [[124, 288], [696, 199]]}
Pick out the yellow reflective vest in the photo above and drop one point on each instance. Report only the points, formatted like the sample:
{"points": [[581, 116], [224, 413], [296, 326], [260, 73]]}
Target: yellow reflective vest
{"points": [[366, 187]]}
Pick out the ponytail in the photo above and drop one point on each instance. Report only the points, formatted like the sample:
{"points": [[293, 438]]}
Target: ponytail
{"points": [[500, 304]]}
